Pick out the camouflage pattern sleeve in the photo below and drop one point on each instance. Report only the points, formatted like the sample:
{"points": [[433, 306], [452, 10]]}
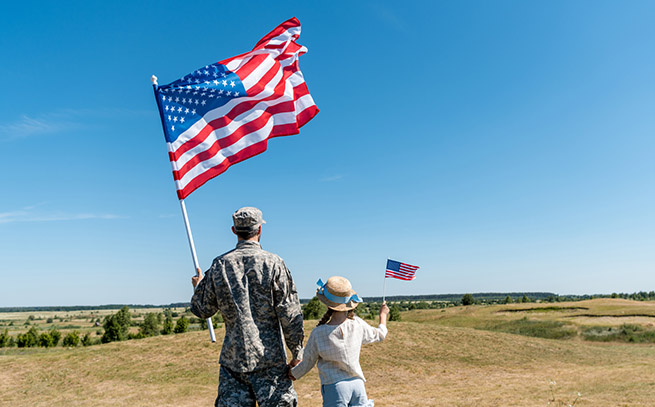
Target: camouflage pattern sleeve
{"points": [[203, 302], [289, 313]]}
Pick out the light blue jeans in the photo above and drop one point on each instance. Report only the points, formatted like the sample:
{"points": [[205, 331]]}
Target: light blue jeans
{"points": [[345, 393]]}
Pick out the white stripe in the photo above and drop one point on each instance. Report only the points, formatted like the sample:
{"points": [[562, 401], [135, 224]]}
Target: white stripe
{"points": [[304, 103]]}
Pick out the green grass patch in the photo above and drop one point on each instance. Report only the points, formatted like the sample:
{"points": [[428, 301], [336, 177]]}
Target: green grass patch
{"points": [[534, 328], [625, 333], [543, 309]]}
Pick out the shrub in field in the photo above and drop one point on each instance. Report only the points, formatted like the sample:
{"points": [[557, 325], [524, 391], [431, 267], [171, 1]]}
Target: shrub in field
{"points": [[117, 326], [28, 339], [72, 339], [314, 309], [56, 336], [624, 333], [46, 340], [468, 299], [150, 325], [394, 313], [182, 325], [4, 338], [168, 325], [86, 340]]}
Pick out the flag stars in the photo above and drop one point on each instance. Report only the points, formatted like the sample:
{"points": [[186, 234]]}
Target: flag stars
{"points": [[173, 128], [166, 108], [236, 93], [224, 83], [229, 92], [186, 110], [181, 119], [232, 83], [179, 109], [193, 111], [175, 119], [215, 82], [203, 102], [177, 99]]}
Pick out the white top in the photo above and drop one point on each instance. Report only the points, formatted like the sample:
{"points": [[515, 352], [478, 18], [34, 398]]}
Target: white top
{"points": [[336, 349]]}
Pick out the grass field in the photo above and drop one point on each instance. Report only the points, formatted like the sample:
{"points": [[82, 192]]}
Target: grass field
{"points": [[455, 357]]}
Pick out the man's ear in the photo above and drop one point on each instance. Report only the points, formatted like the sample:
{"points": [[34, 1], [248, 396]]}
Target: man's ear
{"points": [[234, 230]]}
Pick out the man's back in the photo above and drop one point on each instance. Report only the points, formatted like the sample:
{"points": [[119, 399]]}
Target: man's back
{"points": [[254, 292]]}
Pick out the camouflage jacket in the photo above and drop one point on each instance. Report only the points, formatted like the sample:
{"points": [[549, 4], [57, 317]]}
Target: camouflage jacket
{"points": [[255, 294]]}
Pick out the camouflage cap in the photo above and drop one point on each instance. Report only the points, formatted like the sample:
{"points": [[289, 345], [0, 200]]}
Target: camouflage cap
{"points": [[247, 218]]}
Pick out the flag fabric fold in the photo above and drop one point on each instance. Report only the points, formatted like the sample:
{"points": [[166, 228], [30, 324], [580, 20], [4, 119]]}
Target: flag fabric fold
{"points": [[401, 271], [226, 112]]}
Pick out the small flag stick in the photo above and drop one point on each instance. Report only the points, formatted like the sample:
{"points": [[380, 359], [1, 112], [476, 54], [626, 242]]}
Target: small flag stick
{"points": [[384, 286], [192, 246]]}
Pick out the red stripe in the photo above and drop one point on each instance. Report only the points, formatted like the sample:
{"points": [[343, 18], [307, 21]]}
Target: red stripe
{"points": [[242, 155], [400, 273], [398, 277], [242, 131], [306, 115], [277, 31]]}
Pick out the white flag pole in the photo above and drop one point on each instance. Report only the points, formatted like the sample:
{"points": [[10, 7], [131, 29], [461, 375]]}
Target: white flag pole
{"points": [[196, 265], [384, 286], [192, 246]]}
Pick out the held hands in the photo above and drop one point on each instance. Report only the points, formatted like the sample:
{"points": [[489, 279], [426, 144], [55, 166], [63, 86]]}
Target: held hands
{"points": [[196, 279], [293, 363]]}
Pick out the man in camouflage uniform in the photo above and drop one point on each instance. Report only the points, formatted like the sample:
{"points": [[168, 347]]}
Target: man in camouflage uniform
{"points": [[255, 294]]}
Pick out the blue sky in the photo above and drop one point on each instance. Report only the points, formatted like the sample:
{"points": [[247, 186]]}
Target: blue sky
{"points": [[501, 146]]}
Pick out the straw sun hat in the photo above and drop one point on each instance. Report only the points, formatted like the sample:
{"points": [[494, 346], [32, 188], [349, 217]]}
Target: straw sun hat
{"points": [[337, 294]]}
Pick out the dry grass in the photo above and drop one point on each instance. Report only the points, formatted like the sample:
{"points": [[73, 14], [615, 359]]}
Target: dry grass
{"points": [[421, 363]]}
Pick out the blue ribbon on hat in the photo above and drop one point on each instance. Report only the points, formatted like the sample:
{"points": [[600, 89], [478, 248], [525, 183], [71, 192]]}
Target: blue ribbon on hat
{"points": [[334, 298]]}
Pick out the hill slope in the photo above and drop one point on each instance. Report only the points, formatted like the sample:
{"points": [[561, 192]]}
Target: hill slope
{"points": [[419, 364]]}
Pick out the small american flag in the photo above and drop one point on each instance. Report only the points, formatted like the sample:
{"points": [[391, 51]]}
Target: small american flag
{"points": [[226, 112], [400, 270]]}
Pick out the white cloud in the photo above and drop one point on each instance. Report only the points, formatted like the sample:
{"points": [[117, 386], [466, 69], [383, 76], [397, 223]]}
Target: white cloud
{"points": [[60, 121], [28, 214]]}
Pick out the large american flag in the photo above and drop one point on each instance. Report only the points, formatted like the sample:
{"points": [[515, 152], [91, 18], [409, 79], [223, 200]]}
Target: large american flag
{"points": [[225, 112], [400, 270]]}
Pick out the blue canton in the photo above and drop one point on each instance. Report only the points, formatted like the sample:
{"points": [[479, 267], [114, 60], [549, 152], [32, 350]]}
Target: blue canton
{"points": [[186, 100]]}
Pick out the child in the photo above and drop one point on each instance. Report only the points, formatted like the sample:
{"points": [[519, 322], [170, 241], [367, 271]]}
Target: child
{"points": [[335, 344]]}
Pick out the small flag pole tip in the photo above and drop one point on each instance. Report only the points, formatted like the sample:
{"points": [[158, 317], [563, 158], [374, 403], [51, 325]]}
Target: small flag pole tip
{"points": [[153, 78]]}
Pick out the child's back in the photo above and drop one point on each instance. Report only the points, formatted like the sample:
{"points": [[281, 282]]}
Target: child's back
{"points": [[336, 346]]}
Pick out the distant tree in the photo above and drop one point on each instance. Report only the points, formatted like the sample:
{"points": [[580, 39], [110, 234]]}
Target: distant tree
{"points": [[49, 321], [45, 340], [28, 339], [394, 313], [182, 325], [4, 338], [86, 340], [314, 309], [150, 325], [117, 326], [31, 318], [72, 339], [508, 300], [217, 319], [525, 298], [56, 336], [167, 329], [467, 299]]}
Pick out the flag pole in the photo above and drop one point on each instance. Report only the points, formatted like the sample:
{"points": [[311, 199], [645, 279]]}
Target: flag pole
{"points": [[384, 286], [187, 226]]}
